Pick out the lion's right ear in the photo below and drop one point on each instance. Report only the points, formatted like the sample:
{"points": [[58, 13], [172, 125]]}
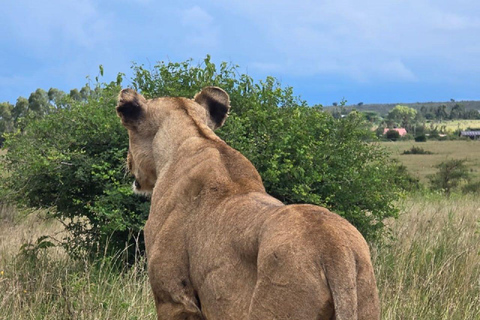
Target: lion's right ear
{"points": [[130, 107], [217, 103]]}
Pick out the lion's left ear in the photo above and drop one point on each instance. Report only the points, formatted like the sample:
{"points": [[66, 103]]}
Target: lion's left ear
{"points": [[131, 108], [217, 103]]}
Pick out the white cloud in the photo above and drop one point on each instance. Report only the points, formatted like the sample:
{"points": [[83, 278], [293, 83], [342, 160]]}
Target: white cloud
{"points": [[200, 28], [196, 17], [397, 70], [56, 24], [142, 2], [266, 66], [364, 41]]}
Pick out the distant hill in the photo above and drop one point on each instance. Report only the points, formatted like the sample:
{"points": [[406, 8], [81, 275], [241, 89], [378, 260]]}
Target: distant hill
{"points": [[386, 107]]}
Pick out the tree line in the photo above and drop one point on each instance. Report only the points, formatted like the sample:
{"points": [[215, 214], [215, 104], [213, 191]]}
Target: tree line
{"points": [[441, 112], [428, 109], [39, 104]]}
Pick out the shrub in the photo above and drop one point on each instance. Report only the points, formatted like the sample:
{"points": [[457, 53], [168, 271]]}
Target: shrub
{"points": [[407, 137], [72, 160], [417, 150], [302, 153], [392, 135], [421, 138], [449, 176], [472, 187], [434, 134], [403, 179], [379, 132]]}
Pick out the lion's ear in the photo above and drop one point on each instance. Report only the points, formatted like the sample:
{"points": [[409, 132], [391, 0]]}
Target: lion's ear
{"points": [[130, 107], [217, 103]]}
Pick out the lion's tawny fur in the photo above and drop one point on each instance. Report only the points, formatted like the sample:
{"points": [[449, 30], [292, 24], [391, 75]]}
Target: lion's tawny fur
{"points": [[218, 246]]}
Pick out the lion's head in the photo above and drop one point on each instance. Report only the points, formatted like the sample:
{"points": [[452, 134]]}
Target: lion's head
{"points": [[163, 120]]}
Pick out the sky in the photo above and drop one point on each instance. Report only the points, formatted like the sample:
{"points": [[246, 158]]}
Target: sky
{"points": [[373, 51]]}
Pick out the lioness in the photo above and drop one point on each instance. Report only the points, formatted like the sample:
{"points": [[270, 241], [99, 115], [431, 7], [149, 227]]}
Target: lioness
{"points": [[218, 246]]}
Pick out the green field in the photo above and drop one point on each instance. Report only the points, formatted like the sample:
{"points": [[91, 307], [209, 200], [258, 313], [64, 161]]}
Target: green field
{"points": [[421, 165]]}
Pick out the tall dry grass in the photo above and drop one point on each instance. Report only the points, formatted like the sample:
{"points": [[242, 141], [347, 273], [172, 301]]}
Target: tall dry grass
{"points": [[47, 284], [429, 269]]}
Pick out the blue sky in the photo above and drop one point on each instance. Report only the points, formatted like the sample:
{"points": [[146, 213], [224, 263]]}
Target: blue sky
{"points": [[364, 51]]}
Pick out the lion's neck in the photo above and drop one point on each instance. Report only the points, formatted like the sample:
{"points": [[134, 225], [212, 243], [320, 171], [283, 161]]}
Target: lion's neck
{"points": [[196, 169]]}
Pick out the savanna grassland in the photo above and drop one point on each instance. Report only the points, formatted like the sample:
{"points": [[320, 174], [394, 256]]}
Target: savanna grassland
{"points": [[431, 267], [422, 165], [427, 269], [427, 265], [47, 284]]}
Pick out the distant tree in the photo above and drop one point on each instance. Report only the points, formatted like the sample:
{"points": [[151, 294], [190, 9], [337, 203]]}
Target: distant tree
{"points": [[472, 114], [335, 104], [75, 95], [336, 113], [419, 118], [403, 115], [20, 110], [6, 120], [429, 115], [457, 112], [56, 97], [449, 176], [38, 103], [6, 111], [371, 116], [360, 104], [85, 93], [52, 94], [441, 112]]}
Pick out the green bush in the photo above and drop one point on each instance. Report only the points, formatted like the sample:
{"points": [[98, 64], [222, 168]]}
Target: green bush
{"points": [[379, 132], [403, 179], [407, 137], [392, 135], [434, 134], [303, 154], [450, 174], [416, 150], [421, 138], [72, 160], [472, 187]]}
